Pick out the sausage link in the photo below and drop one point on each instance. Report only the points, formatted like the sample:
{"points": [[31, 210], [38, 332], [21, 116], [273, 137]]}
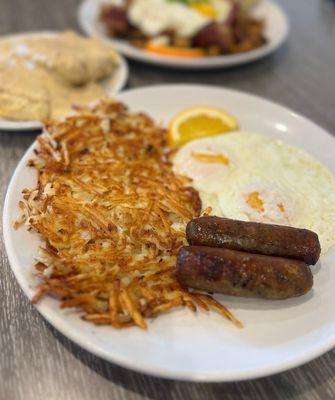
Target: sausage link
{"points": [[242, 274], [253, 237]]}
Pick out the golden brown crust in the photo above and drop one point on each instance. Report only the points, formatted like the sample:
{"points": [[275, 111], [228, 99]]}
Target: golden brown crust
{"points": [[254, 237], [112, 215], [243, 274]]}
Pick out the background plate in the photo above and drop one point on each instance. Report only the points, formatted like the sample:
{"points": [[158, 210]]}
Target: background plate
{"points": [[112, 85], [201, 347], [276, 31]]}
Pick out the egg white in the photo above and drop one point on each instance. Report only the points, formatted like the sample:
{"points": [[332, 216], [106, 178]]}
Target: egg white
{"points": [[153, 17]]}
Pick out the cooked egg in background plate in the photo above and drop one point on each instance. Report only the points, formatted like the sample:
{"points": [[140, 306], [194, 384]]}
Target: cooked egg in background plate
{"points": [[250, 177], [186, 18]]}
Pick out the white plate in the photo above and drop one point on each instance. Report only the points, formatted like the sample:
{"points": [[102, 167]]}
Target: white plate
{"points": [[111, 86], [276, 32], [201, 347]]}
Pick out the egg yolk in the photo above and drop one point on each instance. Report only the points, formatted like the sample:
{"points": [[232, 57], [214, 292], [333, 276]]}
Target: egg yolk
{"points": [[255, 202], [281, 207], [205, 9], [211, 158]]}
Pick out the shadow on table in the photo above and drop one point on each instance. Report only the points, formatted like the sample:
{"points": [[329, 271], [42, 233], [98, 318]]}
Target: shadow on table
{"points": [[17, 141], [289, 385]]}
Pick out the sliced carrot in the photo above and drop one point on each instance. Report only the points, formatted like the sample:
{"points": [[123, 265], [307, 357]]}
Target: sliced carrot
{"points": [[174, 51]]}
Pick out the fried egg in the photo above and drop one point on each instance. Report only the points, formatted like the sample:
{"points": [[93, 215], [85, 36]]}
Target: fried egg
{"points": [[250, 177], [207, 162], [154, 17]]}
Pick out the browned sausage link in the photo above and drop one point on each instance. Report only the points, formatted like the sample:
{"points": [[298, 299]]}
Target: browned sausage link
{"points": [[272, 240], [242, 274]]}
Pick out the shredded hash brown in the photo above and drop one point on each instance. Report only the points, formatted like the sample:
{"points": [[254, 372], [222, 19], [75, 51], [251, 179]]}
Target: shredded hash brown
{"points": [[112, 216]]}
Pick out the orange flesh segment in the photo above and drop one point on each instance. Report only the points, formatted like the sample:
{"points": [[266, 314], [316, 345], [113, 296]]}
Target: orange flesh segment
{"points": [[211, 158], [174, 51], [202, 125], [255, 202]]}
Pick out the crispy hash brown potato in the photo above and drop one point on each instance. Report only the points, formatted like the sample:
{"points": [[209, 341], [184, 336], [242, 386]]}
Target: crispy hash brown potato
{"points": [[112, 215]]}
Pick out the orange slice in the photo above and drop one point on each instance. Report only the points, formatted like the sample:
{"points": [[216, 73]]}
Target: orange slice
{"points": [[174, 51], [198, 122]]}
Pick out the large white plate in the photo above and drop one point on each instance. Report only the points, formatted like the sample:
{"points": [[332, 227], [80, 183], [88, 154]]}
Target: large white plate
{"points": [[202, 347], [276, 32], [111, 86]]}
